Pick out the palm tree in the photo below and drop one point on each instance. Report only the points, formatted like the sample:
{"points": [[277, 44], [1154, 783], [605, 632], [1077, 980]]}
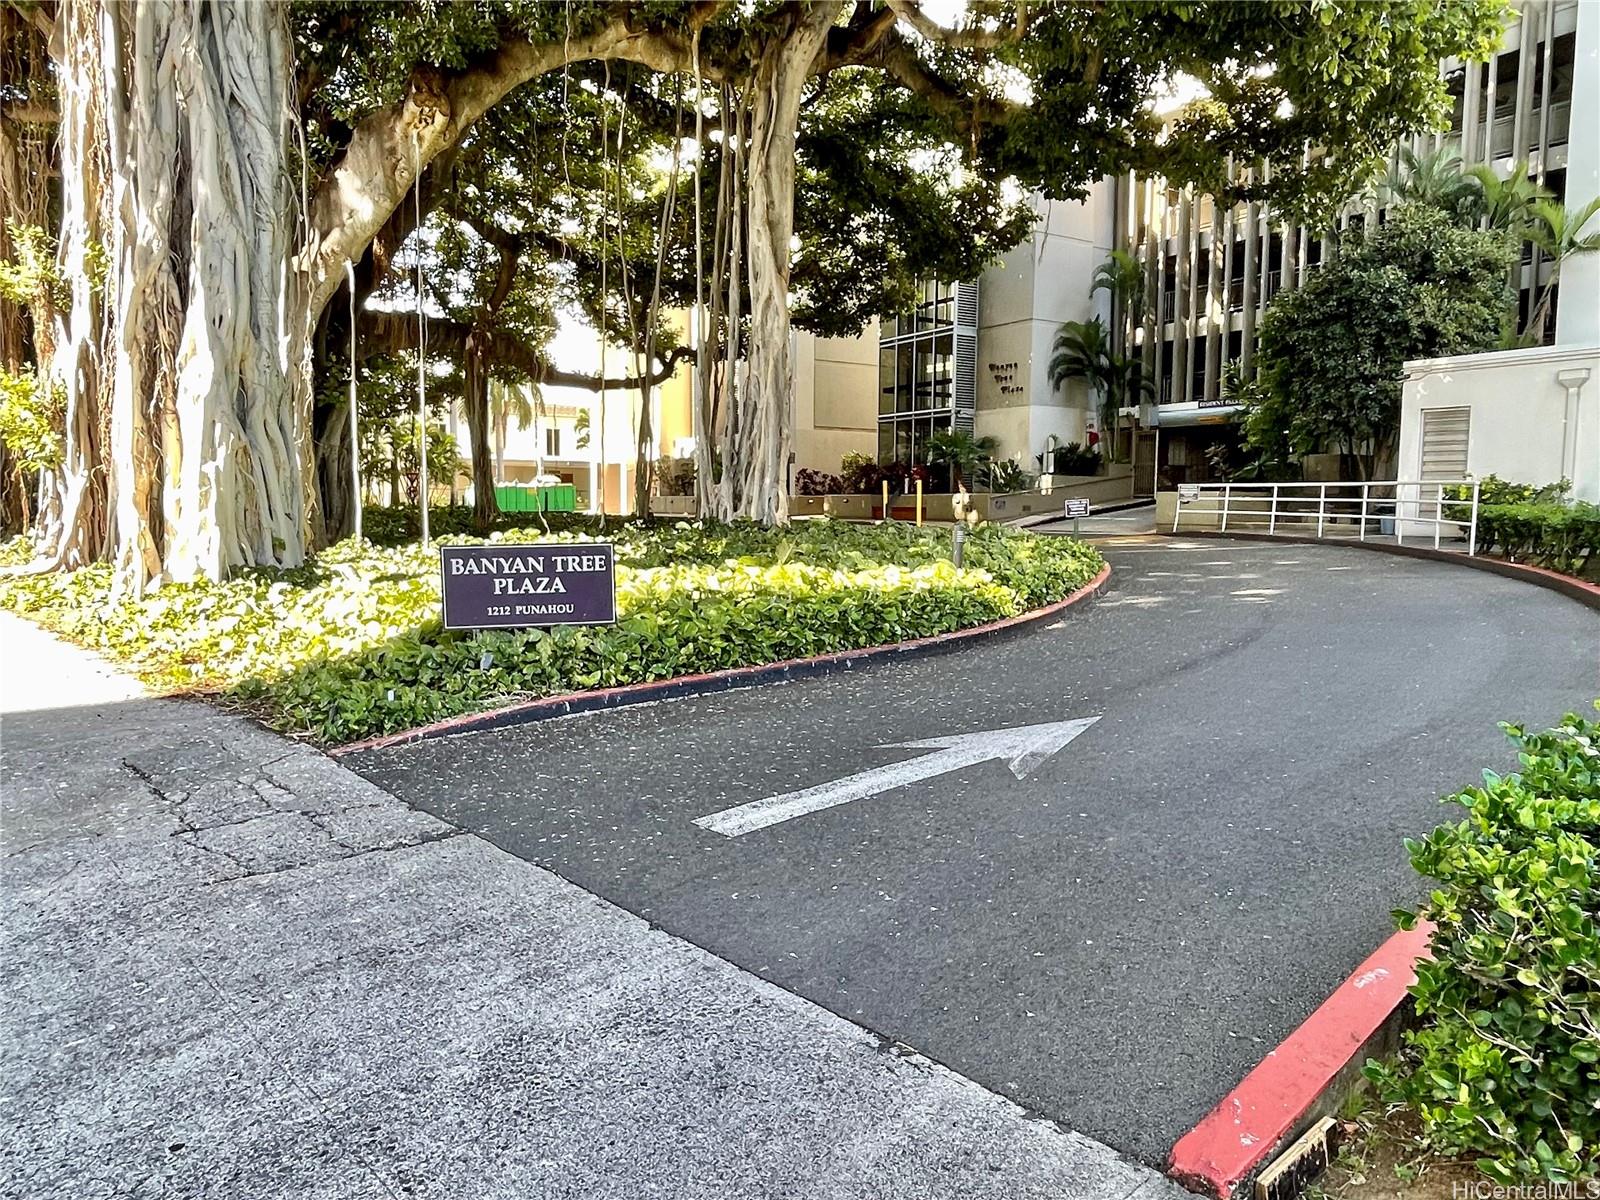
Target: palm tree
{"points": [[960, 450], [1082, 350], [1435, 178], [1506, 204], [1122, 275], [507, 404], [1558, 232]]}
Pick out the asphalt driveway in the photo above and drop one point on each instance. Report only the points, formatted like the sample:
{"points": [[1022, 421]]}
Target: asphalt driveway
{"points": [[1115, 937]]}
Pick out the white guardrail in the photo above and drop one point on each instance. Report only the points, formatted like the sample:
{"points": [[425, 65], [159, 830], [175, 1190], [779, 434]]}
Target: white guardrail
{"points": [[1344, 509]]}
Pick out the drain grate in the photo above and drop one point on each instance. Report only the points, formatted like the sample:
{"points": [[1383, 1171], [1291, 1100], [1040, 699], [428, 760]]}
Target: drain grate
{"points": [[1302, 1162]]}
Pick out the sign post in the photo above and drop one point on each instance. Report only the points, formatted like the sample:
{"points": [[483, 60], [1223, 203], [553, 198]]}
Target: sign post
{"points": [[1076, 509], [520, 587]]}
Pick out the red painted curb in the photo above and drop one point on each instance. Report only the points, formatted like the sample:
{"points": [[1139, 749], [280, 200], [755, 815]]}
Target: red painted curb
{"points": [[713, 681], [1257, 1117]]}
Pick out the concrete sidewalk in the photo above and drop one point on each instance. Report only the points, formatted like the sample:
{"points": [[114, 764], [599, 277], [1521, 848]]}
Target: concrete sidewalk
{"points": [[233, 969]]}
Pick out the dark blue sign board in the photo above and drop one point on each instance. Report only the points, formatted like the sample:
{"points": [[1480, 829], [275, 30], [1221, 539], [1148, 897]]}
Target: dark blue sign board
{"points": [[517, 587]]}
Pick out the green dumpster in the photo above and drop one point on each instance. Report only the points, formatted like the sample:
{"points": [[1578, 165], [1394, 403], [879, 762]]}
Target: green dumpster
{"points": [[559, 497]]}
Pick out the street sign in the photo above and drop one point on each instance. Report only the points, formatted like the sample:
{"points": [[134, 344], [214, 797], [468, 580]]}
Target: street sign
{"points": [[1077, 508], [1022, 748], [517, 587]]}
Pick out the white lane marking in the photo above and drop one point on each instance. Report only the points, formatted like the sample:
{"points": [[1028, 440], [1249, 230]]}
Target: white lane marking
{"points": [[1023, 748]]}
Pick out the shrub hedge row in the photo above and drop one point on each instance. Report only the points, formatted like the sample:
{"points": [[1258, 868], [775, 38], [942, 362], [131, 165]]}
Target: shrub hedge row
{"points": [[1562, 537], [1532, 524], [351, 645], [1505, 1061]]}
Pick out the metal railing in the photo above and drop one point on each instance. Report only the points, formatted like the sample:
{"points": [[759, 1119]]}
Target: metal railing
{"points": [[1342, 509]]}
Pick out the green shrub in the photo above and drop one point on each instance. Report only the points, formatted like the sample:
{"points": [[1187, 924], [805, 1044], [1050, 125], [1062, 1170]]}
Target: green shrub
{"points": [[860, 474], [1563, 537], [1075, 459], [1503, 1062], [384, 526], [351, 644]]}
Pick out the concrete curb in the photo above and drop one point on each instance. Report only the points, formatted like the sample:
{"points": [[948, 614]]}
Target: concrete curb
{"points": [[1587, 594], [1306, 1077], [567, 704]]}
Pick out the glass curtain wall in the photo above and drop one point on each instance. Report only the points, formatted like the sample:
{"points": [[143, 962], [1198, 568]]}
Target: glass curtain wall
{"points": [[916, 375]]}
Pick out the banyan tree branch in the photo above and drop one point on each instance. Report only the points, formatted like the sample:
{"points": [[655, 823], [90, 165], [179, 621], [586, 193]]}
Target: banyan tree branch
{"points": [[393, 332]]}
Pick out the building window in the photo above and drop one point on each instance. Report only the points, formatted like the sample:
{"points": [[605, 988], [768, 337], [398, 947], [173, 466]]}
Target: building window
{"points": [[552, 441], [918, 368]]}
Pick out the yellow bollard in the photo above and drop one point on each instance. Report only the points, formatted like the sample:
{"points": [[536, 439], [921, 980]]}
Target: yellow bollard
{"points": [[885, 499], [919, 502]]}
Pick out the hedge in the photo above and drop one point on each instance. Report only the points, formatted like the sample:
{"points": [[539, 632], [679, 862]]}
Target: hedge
{"points": [[350, 644], [1528, 523], [1563, 537], [1504, 1063]]}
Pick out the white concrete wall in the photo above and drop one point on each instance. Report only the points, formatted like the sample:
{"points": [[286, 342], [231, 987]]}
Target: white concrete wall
{"points": [[1022, 300], [1526, 427]]}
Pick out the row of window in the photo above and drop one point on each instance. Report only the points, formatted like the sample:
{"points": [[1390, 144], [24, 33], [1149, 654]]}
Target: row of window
{"points": [[934, 308], [1506, 68], [1171, 391], [918, 374], [905, 439]]}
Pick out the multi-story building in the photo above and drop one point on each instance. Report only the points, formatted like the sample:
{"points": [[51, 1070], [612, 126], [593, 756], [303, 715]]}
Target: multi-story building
{"points": [[975, 356], [1211, 269]]}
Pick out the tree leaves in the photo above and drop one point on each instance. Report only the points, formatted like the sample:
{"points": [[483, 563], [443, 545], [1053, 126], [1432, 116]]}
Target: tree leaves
{"points": [[1333, 349], [1503, 1061]]}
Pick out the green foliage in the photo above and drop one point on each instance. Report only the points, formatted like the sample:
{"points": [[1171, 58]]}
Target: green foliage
{"points": [[32, 276], [351, 643], [1494, 490], [1265, 419], [1354, 78], [861, 474], [1333, 350], [1563, 537], [30, 421], [1530, 523], [1121, 277], [390, 445], [810, 482], [1085, 350], [960, 451], [1435, 179], [1074, 459], [1008, 476], [1513, 204], [1503, 1063]]}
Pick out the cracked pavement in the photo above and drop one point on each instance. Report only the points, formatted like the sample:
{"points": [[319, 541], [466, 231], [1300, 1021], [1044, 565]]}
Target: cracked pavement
{"points": [[231, 968]]}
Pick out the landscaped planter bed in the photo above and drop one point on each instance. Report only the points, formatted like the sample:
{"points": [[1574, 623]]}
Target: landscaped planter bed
{"points": [[351, 645]]}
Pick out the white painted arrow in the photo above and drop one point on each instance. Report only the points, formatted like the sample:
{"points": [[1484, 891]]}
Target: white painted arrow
{"points": [[1023, 748]]}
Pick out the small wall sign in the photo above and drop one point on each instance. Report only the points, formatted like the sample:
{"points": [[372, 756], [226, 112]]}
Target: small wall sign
{"points": [[1005, 378], [519, 587], [1188, 492]]}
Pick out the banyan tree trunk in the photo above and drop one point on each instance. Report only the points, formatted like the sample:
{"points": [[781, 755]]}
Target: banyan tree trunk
{"points": [[204, 379], [758, 452], [72, 520]]}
